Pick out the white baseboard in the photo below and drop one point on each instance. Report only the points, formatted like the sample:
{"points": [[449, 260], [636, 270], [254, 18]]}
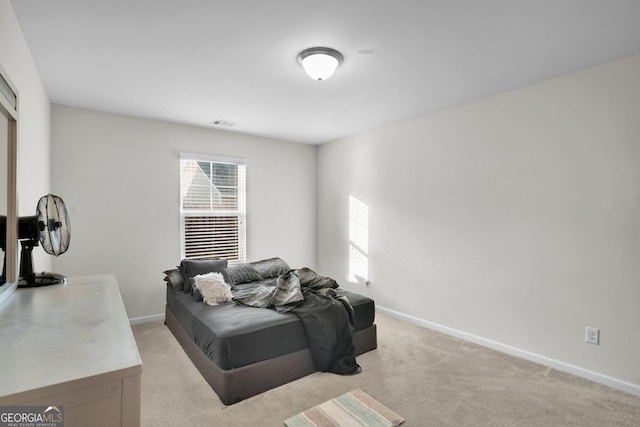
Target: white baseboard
{"points": [[625, 386], [146, 319]]}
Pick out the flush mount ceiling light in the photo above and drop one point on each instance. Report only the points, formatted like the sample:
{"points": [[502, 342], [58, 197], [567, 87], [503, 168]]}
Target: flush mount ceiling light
{"points": [[320, 62]]}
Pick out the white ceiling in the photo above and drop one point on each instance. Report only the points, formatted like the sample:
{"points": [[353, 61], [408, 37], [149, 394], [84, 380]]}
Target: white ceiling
{"points": [[192, 61]]}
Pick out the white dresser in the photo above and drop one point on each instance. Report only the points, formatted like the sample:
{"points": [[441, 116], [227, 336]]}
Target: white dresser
{"points": [[71, 345]]}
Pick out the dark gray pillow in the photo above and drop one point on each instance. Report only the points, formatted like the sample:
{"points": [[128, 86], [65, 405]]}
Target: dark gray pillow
{"points": [[272, 267], [174, 278], [243, 273], [197, 295], [190, 268]]}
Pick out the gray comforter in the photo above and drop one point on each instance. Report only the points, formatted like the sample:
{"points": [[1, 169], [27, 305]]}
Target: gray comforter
{"points": [[327, 318]]}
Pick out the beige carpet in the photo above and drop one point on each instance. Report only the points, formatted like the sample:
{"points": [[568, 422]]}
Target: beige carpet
{"points": [[429, 378]]}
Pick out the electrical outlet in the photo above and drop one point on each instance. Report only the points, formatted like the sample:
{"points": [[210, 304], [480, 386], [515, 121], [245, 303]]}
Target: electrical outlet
{"points": [[592, 335]]}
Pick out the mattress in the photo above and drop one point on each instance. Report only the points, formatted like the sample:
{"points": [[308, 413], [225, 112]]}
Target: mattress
{"points": [[233, 335], [363, 307]]}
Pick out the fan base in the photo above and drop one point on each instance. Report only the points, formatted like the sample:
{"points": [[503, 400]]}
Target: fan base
{"points": [[41, 279]]}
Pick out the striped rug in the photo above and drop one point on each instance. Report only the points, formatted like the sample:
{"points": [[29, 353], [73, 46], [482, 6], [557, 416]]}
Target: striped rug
{"points": [[355, 408]]}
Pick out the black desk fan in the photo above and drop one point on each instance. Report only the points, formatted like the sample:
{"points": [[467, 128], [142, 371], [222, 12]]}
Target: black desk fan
{"points": [[49, 227]]}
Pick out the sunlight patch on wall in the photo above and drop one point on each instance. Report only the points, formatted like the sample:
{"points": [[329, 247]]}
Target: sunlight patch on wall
{"points": [[358, 241]]}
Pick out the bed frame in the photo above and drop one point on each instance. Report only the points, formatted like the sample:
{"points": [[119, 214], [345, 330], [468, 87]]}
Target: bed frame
{"points": [[234, 385]]}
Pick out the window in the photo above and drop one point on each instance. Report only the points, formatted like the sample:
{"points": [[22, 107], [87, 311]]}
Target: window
{"points": [[212, 208]]}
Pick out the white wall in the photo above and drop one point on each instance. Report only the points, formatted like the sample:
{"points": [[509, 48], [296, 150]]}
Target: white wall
{"points": [[515, 218], [119, 177], [34, 141]]}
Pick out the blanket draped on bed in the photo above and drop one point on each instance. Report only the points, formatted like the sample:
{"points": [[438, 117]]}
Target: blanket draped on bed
{"points": [[327, 318]]}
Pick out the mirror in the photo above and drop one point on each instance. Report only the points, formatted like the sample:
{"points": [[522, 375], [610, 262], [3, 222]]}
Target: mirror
{"points": [[8, 191], [4, 151]]}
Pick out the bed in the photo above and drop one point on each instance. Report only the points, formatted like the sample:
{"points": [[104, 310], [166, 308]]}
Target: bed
{"points": [[241, 350]]}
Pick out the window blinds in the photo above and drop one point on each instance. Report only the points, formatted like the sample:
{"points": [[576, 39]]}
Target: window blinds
{"points": [[213, 209]]}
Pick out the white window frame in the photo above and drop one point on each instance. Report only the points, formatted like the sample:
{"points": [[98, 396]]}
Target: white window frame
{"points": [[241, 212]]}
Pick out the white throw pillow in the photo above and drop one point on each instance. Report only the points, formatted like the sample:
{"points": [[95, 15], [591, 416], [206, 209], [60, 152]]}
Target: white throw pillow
{"points": [[213, 288]]}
